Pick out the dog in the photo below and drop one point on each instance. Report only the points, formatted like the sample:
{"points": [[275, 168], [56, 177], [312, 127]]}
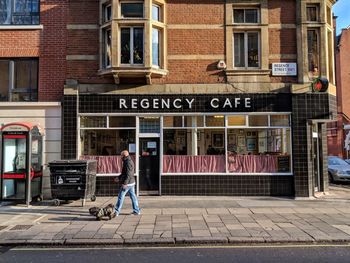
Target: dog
{"points": [[99, 212]]}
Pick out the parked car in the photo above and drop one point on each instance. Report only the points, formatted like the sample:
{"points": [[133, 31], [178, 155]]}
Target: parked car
{"points": [[338, 169], [347, 160]]}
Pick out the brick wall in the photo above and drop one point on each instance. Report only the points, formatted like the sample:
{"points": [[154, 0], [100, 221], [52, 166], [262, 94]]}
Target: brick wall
{"points": [[52, 63], [19, 43]]}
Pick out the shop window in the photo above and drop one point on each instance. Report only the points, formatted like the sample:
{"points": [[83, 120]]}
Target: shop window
{"points": [[105, 147], [172, 121], [215, 121], [122, 122], [279, 120], [246, 49], [19, 12], [313, 51], [131, 9], [259, 151], [93, 122], [312, 13], [107, 48], [248, 15], [132, 45], [155, 47], [258, 120], [19, 80], [236, 120], [194, 151]]}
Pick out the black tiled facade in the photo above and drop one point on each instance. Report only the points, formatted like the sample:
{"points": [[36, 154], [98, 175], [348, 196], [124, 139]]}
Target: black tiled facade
{"points": [[304, 107]]}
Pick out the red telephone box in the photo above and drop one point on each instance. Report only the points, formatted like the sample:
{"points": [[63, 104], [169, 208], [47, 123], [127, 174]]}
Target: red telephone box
{"points": [[21, 162]]}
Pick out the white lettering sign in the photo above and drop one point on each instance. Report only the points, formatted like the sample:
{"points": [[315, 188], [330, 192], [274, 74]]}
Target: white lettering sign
{"points": [[284, 69]]}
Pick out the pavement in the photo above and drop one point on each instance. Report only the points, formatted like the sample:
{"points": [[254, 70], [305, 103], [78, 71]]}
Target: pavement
{"points": [[175, 220]]}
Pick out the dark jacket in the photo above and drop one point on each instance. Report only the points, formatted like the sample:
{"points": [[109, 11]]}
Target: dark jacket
{"points": [[127, 175]]}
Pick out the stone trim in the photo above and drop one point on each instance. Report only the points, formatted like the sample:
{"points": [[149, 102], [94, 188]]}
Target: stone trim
{"points": [[82, 27], [82, 57]]}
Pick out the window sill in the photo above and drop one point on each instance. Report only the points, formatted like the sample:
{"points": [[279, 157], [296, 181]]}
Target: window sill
{"points": [[22, 27], [247, 72], [134, 72]]}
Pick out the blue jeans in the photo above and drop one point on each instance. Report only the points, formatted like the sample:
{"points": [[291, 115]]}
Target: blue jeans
{"points": [[121, 196]]}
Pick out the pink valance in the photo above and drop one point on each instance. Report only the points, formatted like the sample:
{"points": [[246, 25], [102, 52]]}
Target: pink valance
{"points": [[107, 164], [194, 164], [252, 164]]}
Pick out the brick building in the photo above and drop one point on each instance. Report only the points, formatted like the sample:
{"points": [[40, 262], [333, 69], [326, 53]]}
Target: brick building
{"points": [[210, 97], [339, 136]]}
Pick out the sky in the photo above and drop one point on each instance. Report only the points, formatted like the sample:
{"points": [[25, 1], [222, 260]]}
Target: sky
{"points": [[342, 10]]}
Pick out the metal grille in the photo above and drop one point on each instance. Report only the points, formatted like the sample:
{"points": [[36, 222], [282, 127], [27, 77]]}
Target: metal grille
{"points": [[21, 227]]}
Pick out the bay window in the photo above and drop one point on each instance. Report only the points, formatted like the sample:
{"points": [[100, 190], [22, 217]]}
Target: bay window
{"points": [[155, 47], [246, 15], [131, 9]]}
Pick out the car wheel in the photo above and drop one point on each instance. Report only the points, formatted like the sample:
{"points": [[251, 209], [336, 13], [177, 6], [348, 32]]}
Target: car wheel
{"points": [[330, 176]]}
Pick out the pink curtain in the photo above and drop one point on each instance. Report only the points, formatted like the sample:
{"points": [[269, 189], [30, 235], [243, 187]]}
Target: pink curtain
{"points": [[194, 164], [107, 164], [252, 164]]}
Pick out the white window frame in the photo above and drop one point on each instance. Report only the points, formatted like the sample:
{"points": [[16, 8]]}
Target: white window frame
{"points": [[132, 46], [244, 10], [159, 12], [246, 49]]}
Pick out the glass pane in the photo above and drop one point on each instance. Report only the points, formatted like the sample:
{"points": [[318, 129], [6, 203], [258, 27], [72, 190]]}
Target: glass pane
{"points": [[172, 121], [253, 50], [138, 45], [251, 15], [313, 54], [149, 125], [107, 13], [107, 48], [122, 122], [4, 79], [155, 12], [125, 46], [311, 13], [14, 155], [238, 15], [26, 80], [155, 47], [132, 9], [94, 121], [35, 6], [279, 120], [5, 12], [20, 6], [239, 49], [215, 121], [107, 142], [258, 120], [236, 120], [194, 121]]}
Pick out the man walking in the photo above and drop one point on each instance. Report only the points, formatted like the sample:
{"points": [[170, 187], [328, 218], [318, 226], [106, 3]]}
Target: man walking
{"points": [[127, 180]]}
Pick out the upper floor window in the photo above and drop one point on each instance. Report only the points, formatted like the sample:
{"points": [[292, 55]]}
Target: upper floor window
{"points": [[313, 49], [19, 12], [312, 13], [246, 15], [131, 9], [107, 48], [131, 45], [246, 49], [156, 13], [107, 13], [19, 80]]}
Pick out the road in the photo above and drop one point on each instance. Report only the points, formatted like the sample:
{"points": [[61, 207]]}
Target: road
{"points": [[244, 254]]}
